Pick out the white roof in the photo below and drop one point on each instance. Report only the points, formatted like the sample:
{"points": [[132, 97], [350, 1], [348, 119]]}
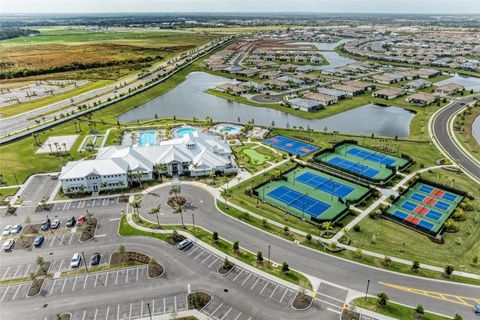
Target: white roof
{"points": [[80, 169]]}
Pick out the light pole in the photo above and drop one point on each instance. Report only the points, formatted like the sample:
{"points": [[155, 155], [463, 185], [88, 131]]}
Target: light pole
{"points": [[149, 311], [366, 291], [85, 261], [269, 255], [193, 220]]}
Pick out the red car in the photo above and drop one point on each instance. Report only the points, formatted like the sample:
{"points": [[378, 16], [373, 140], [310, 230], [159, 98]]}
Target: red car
{"points": [[81, 220]]}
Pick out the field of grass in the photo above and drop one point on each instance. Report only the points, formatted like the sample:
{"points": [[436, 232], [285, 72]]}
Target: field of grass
{"points": [[463, 130], [28, 106], [254, 160], [56, 47], [394, 310], [4, 193]]}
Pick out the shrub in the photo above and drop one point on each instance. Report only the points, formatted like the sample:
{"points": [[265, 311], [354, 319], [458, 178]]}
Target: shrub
{"points": [[415, 266], [386, 261], [451, 226], [357, 228], [285, 268], [215, 236], [236, 246], [309, 238], [382, 299], [448, 270], [259, 257], [264, 223], [459, 215], [285, 230], [457, 317], [419, 310], [358, 253]]}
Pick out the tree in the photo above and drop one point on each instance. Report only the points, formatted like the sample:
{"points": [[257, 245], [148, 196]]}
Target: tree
{"points": [[457, 317], [175, 191], [215, 237], [382, 299], [386, 261], [327, 225], [448, 270], [259, 257], [309, 238], [236, 247], [155, 211], [285, 230], [420, 311], [122, 251], [285, 268], [136, 205], [415, 266]]}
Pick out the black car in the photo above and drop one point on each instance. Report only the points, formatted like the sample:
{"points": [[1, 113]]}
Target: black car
{"points": [[95, 260], [71, 222], [45, 226]]}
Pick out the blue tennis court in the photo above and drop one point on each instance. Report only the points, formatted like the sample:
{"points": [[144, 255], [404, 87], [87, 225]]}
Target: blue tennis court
{"points": [[299, 201], [438, 193], [371, 156], [401, 215], [354, 167], [291, 145], [425, 225], [326, 185], [407, 205], [430, 201]]}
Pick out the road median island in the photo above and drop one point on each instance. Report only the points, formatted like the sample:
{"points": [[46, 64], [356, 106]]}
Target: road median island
{"points": [[198, 300], [128, 227]]}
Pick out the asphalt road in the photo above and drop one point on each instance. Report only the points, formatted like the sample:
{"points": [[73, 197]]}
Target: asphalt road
{"points": [[441, 133], [326, 267]]}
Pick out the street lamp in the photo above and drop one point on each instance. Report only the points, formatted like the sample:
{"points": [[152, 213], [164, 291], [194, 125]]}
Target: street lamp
{"points": [[269, 255], [85, 261], [149, 311], [366, 291]]}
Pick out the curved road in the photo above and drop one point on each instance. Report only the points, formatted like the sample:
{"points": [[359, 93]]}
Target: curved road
{"points": [[441, 134], [326, 267]]}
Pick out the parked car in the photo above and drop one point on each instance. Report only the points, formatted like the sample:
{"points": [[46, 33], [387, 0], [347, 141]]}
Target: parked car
{"points": [[95, 259], [7, 230], [476, 309], [38, 241], [16, 229], [184, 244], [70, 222], [45, 224], [76, 260], [81, 220], [8, 245], [55, 224]]}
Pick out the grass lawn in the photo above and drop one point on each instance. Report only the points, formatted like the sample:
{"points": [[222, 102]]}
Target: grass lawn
{"points": [[463, 130], [4, 193], [458, 249], [28, 106], [394, 310], [256, 159], [226, 247]]}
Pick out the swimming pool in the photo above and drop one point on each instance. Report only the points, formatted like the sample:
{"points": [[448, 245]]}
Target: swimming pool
{"points": [[147, 138], [180, 132], [226, 129]]}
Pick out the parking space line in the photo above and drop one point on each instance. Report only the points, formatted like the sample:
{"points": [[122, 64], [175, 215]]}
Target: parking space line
{"points": [[8, 268], [108, 311], [137, 275], [15, 275], [175, 303], [106, 279], [283, 295], [226, 313], [26, 272], [3, 297], [164, 306], [60, 267], [51, 243], [241, 271], [213, 262], [84, 313], [71, 237], [118, 311], [96, 310], [130, 313], [192, 251], [53, 286], [255, 283], [126, 276], [61, 240], [96, 277], [246, 279], [199, 255], [85, 283], [141, 310], [206, 258], [116, 278], [238, 316], [81, 204], [118, 200], [64, 282], [274, 290], [15, 295], [266, 284], [103, 202], [221, 304], [153, 306], [74, 283]]}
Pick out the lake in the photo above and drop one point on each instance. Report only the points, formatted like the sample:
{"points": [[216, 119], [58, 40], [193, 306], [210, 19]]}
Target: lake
{"points": [[468, 82], [189, 100], [334, 59]]}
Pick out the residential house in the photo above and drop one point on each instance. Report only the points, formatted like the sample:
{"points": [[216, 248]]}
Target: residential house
{"points": [[388, 93], [448, 89], [270, 75], [231, 89], [416, 85], [306, 105], [339, 94], [350, 90], [324, 99], [421, 99]]}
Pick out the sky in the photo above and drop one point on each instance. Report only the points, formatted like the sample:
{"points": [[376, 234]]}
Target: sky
{"points": [[355, 6]]}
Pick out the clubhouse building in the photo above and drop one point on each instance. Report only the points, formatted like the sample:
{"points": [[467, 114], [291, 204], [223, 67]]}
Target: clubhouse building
{"points": [[116, 167]]}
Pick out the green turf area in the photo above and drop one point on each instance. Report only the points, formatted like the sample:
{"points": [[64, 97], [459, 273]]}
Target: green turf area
{"points": [[32, 105], [342, 152], [436, 222], [394, 310], [6, 192], [336, 207], [256, 157]]}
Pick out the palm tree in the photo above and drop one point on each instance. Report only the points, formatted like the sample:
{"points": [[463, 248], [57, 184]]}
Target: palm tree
{"points": [[56, 146], [195, 167], [136, 205], [50, 146], [160, 167], [138, 176], [175, 190], [64, 147], [155, 211]]}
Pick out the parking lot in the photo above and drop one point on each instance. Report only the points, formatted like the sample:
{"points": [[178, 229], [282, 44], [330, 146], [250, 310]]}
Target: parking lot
{"points": [[134, 310], [14, 292], [217, 310], [253, 282], [63, 264], [40, 186], [86, 204]]}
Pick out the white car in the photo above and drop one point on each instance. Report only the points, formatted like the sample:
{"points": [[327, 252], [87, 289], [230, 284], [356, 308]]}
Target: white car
{"points": [[7, 230], [16, 229], [76, 260], [8, 245]]}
